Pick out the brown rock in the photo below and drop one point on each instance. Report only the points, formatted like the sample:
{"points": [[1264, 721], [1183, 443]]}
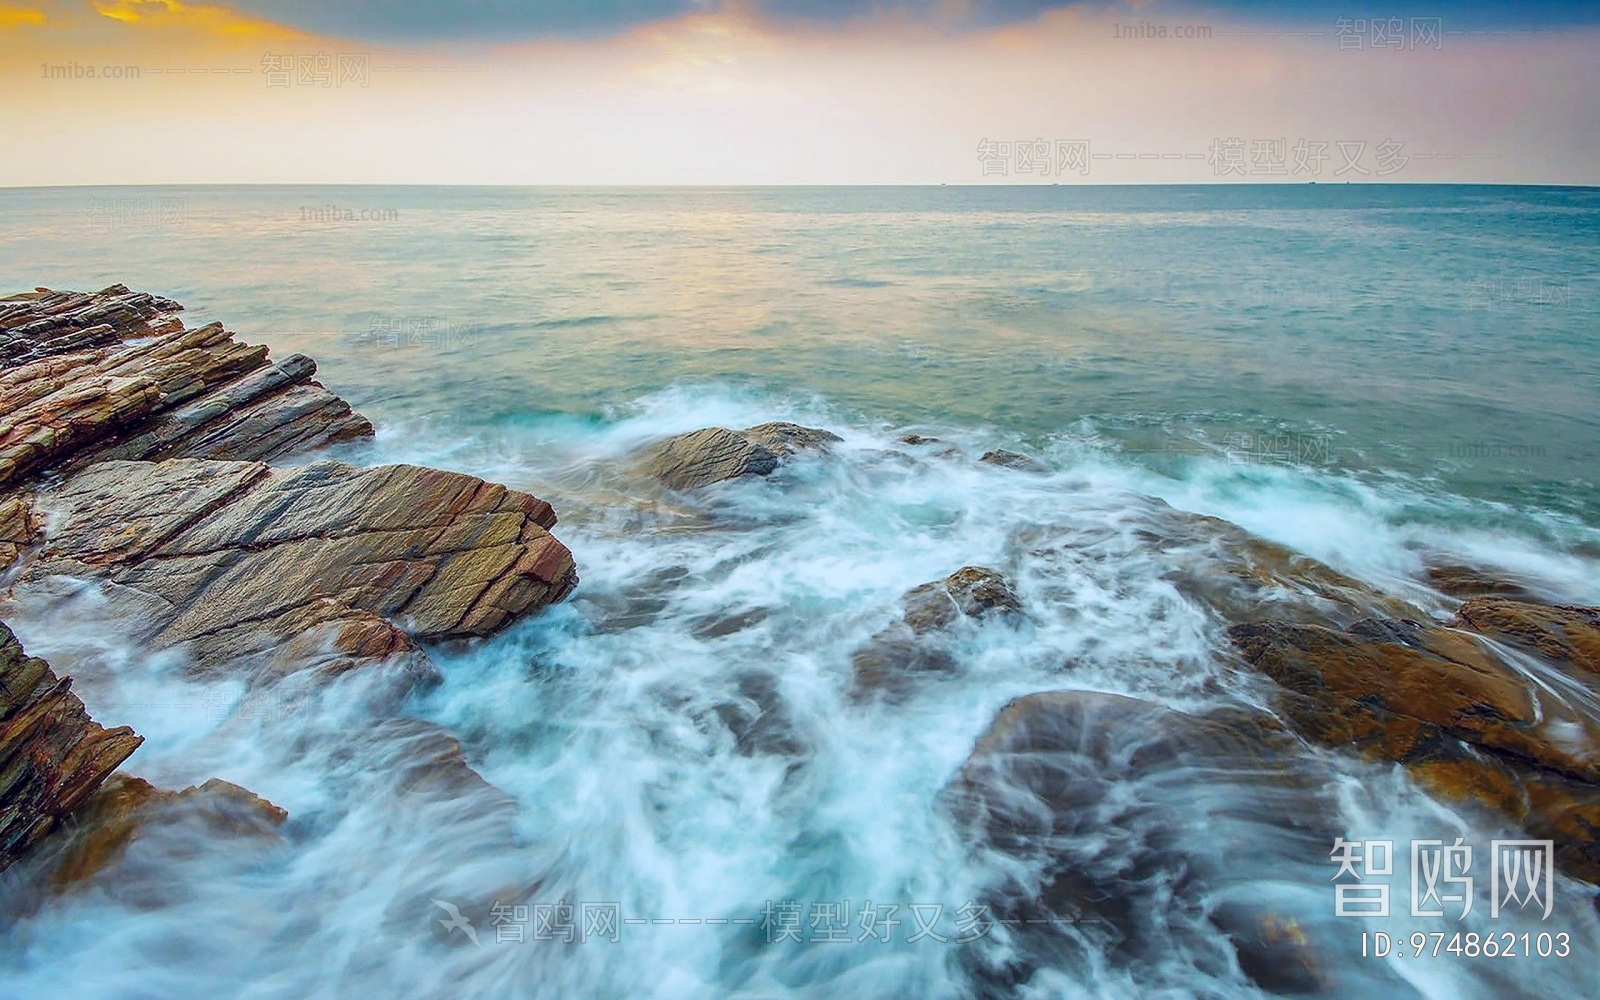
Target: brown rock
{"points": [[1467, 724], [715, 454], [1247, 578], [1013, 460], [115, 375], [894, 657], [1562, 633], [52, 755], [1469, 581], [232, 558], [114, 817]]}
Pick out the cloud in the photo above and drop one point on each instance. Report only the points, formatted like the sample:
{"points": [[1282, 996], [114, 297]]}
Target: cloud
{"points": [[17, 17], [201, 18], [512, 20]]}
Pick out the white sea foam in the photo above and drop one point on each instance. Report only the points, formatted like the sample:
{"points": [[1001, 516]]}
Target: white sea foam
{"points": [[614, 731]]}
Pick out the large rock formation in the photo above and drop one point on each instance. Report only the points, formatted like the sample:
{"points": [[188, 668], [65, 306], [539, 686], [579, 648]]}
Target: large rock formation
{"points": [[115, 374], [714, 454], [133, 459], [230, 557], [52, 755], [1522, 737]]}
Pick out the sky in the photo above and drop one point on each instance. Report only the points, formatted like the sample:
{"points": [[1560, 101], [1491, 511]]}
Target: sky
{"points": [[624, 92]]}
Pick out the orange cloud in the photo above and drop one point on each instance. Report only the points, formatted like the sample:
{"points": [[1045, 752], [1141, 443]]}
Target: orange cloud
{"points": [[203, 18], [16, 17]]}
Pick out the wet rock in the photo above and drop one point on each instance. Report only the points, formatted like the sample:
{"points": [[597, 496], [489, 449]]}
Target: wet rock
{"points": [[1135, 833], [1013, 460], [1469, 581], [913, 646], [124, 807], [1244, 577], [20, 528], [116, 375], [758, 718], [52, 755], [230, 558], [785, 440], [1523, 740], [1562, 633], [916, 439], [715, 454]]}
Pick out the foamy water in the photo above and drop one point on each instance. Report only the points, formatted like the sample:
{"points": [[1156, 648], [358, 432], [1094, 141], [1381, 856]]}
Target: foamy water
{"points": [[620, 777], [1381, 378]]}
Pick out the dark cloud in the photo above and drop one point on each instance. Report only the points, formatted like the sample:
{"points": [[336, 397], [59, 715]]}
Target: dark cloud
{"points": [[446, 20]]}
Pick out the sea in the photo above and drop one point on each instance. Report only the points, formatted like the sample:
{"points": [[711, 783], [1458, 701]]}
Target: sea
{"points": [[1380, 377]]}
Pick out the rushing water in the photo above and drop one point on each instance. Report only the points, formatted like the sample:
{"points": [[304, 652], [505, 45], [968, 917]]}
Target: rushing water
{"points": [[1381, 378]]}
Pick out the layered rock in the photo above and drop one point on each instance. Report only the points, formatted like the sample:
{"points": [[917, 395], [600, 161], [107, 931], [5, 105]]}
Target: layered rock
{"points": [[52, 755], [1522, 737], [231, 557], [716, 454], [133, 463], [915, 645], [115, 374]]}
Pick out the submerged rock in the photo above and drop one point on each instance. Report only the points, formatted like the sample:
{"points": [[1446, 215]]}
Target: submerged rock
{"points": [[52, 755], [1523, 739], [715, 454], [913, 646], [1469, 581], [116, 815], [1013, 460], [1137, 833]]}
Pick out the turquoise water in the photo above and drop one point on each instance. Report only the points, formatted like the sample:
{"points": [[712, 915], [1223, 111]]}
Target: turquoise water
{"points": [[1382, 378], [1449, 332]]}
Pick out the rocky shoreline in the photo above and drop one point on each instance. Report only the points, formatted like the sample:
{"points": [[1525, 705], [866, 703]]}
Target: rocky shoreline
{"points": [[150, 462], [134, 458]]}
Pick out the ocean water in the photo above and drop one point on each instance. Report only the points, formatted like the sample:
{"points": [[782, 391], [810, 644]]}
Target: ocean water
{"points": [[1384, 378]]}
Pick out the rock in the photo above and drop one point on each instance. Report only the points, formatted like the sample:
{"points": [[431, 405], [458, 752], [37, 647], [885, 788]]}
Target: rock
{"points": [[894, 657], [1013, 460], [1132, 832], [115, 816], [1244, 577], [785, 439], [20, 528], [1468, 581], [758, 719], [52, 755], [715, 454], [916, 439], [973, 591], [115, 375], [1562, 633], [1443, 703], [232, 558]]}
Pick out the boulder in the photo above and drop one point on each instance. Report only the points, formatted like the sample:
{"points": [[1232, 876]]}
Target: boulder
{"points": [[715, 454], [52, 755], [915, 645], [1013, 460]]}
